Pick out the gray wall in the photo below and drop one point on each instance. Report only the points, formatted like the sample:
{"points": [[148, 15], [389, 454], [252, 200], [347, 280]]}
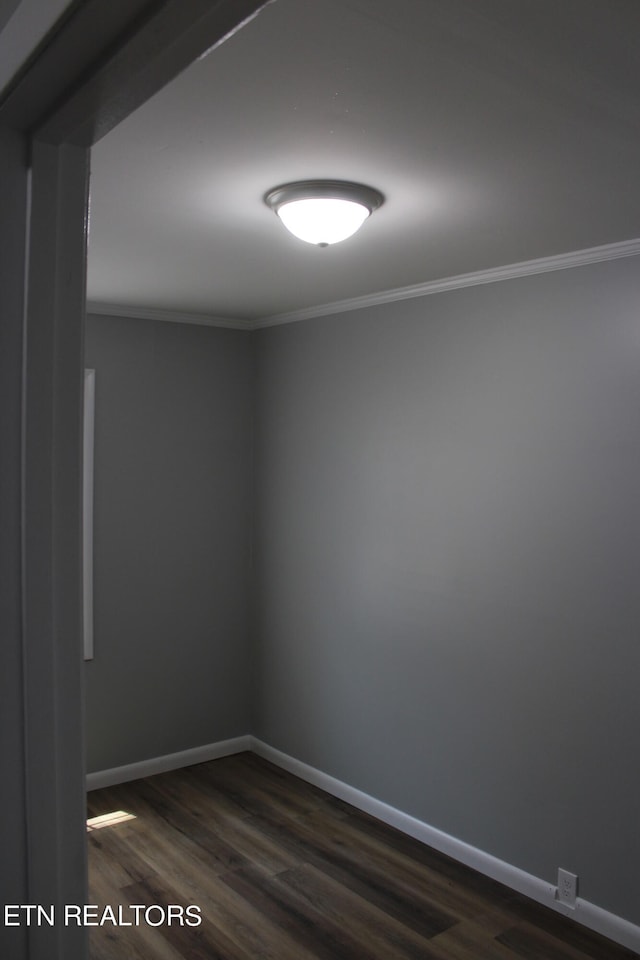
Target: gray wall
{"points": [[172, 538], [448, 552]]}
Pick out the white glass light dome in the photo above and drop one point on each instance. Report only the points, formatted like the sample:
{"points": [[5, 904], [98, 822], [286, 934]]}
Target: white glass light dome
{"points": [[323, 212]]}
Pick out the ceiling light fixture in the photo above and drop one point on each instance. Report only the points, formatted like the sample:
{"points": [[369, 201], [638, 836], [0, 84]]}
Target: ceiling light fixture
{"points": [[323, 211]]}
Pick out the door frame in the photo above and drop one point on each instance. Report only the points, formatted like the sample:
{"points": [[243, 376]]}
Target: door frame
{"points": [[103, 59]]}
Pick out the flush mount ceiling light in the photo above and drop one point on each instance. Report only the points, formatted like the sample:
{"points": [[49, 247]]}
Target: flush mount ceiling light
{"points": [[323, 211]]}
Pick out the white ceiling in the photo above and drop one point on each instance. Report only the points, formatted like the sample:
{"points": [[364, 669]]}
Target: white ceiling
{"points": [[498, 130]]}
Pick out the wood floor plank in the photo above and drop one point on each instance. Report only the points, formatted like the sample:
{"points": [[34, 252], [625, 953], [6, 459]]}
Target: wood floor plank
{"points": [[567, 931], [457, 900], [315, 932], [111, 853], [205, 942], [256, 793], [470, 940], [384, 935], [246, 837], [379, 886], [311, 796], [446, 868], [157, 814], [127, 943], [191, 785], [530, 942], [259, 936]]}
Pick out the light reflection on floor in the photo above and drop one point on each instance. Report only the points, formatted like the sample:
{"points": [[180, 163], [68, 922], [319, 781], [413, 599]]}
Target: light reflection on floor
{"points": [[109, 820]]}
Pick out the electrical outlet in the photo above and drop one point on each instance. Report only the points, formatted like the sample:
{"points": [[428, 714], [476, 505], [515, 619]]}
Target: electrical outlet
{"points": [[567, 887]]}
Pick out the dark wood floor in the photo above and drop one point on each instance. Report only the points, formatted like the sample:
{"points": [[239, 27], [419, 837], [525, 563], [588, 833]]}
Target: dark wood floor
{"points": [[283, 871]]}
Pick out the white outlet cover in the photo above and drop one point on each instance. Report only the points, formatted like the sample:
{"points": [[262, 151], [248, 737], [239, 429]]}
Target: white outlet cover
{"points": [[567, 887]]}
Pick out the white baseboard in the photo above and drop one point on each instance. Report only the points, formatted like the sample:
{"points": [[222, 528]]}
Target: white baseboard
{"points": [[172, 761], [595, 918]]}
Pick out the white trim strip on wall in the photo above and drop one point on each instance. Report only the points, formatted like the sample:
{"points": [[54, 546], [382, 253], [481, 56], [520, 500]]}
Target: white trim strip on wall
{"points": [[87, 511], [150, 313], [526, 268], [172, 761], [589, 914]]}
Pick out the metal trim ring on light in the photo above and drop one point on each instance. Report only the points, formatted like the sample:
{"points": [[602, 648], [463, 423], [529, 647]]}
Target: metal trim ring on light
{"points": [[333, 189]]}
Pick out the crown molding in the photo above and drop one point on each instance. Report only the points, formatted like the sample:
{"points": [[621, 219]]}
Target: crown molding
{"points": [[150, 313], [527, 268]]}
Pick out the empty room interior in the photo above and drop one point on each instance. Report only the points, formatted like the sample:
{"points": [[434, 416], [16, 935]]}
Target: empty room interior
{"points": [[368, 510]]}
